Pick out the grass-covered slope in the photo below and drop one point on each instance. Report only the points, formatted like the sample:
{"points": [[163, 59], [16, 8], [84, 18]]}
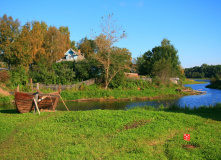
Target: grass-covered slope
{"points": [[140, 133]]}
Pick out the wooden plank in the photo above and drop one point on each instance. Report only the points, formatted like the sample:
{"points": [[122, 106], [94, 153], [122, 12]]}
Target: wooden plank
{"points": [[64, 103], [36, 105]]}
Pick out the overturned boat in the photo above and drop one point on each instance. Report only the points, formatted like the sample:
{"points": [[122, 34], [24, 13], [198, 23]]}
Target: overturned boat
{"points": [[26, 102]]}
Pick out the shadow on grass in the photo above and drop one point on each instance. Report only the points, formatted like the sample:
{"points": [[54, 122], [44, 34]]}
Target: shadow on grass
{"points": [[8, 108], [9, 111], [211, 112]]}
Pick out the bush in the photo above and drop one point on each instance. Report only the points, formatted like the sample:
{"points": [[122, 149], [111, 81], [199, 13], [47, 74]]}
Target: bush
{"points": [[4, 76], [19, 76]]}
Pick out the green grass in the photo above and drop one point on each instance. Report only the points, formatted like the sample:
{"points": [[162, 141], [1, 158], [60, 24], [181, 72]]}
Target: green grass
{"points": [[139, 133], [119, 93], [6, 99], [191, 81]]}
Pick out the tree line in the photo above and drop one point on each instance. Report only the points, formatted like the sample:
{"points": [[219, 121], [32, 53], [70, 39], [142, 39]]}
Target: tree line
{"points": [[27, 44], [35, 46], [204, 71]]}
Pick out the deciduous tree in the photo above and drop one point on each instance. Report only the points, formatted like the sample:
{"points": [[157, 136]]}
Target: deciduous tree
{"points": [[9, 32], [22, 47], [161, 61], [87, 46], [57, 42], [111, 59], [37, 41]]}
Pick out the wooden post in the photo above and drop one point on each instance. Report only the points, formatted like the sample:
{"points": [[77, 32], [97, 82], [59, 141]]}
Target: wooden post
{"points": [[17, 88], [38, 86], [35, 102], [36, 106], [31, 85]]}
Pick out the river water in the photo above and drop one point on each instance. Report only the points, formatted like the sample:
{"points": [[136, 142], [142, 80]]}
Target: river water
{"points": [[211, 97]]}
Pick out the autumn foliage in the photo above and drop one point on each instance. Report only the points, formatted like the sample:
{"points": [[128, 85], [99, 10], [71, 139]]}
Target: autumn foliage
{"points": [[25, 45]]}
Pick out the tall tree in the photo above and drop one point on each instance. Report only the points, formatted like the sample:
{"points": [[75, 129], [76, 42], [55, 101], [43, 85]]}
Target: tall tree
{"points": [[57, 42], [22, 50], [9, 32], [37, 41], [65, 41], [106, 53], [152, 62]]}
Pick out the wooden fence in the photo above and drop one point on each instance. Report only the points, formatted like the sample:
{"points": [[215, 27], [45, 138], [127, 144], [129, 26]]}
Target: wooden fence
{"points": [[54, 87]]}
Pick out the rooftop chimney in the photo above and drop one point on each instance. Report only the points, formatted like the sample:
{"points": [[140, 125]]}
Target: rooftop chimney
{"points": [[79, 51]]}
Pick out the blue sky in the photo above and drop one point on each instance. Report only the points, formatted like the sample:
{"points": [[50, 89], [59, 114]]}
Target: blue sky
{"points": [[192, 26]]}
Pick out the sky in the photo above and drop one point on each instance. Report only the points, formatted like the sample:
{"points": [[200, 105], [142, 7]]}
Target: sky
{"points": [[192, 26]]}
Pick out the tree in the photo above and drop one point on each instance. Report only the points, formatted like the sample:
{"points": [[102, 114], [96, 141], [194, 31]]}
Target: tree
{"points": [[65, 42], [37, 41], [57, 42], [9, 32], [73, 46], [162, 69], [22, 47], [169, 53], [160, 61], [87, 46], [144, 63], [112, 59]]}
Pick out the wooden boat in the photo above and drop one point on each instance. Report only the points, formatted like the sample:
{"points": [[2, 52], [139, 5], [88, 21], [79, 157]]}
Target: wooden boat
{"points": [[25, 101]]}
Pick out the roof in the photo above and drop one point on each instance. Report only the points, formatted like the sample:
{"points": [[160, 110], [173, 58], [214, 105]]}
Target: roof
{"points": [[72, 51]]}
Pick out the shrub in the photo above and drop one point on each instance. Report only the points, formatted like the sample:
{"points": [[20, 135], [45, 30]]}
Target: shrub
{"points": [[19, 76], [4, 76]]}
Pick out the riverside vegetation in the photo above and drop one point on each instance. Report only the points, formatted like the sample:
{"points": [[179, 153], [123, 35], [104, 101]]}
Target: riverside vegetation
{"points": [[139, 133], [129, 89]]}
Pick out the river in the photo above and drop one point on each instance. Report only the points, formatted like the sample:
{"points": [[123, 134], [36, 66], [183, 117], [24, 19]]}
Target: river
{"points": [[211, 97]]}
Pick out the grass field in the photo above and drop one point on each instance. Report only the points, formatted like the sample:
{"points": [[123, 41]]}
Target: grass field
{"points": [[139, 133], [93, 92]]}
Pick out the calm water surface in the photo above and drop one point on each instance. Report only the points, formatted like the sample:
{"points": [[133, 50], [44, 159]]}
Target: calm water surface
{"points": [[212, 97]]}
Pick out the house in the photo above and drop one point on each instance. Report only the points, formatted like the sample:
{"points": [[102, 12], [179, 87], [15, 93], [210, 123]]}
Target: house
{"points": [[72, 55], [134, 66]]}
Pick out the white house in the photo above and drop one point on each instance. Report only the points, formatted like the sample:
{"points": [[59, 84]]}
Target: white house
{"points": [[72, 55]]}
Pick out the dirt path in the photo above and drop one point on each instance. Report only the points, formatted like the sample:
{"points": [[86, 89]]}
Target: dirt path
{"points": [[4, 93]]}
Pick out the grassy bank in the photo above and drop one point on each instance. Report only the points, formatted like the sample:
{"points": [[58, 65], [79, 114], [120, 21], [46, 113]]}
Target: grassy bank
{"points": [[94, 92], [139, 133], [215, 85], [191, 81], [6, 99]]}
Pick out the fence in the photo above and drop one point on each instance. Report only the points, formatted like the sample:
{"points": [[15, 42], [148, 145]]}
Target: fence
{"points": [[54, 87]]}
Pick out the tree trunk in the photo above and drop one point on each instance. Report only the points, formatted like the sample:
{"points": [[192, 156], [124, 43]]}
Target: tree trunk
{"points": [[106, 79]]}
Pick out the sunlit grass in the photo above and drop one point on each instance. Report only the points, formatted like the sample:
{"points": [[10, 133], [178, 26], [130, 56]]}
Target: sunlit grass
{"points": [[138, 133]]}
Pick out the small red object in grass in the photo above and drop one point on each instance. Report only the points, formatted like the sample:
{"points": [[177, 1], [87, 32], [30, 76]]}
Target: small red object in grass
{"points": [[186, 137]]}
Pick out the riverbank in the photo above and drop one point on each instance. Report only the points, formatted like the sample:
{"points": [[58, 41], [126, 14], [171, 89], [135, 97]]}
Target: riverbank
{"points": [[192, 81], [93, 93], [139, 133], [119, 94], [215, 85]]}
